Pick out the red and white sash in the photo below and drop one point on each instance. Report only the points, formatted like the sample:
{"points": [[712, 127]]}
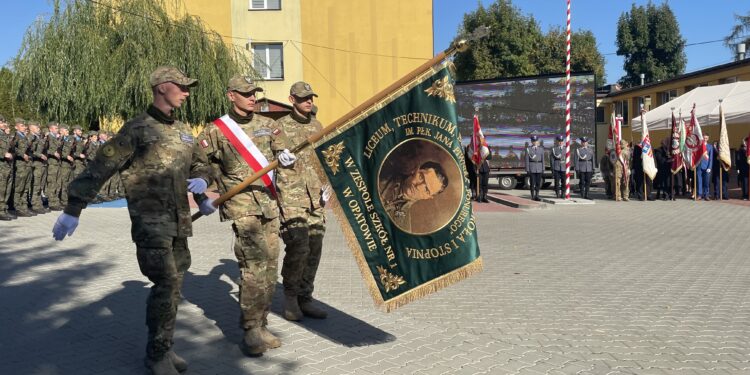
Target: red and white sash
{"points": [[249, 151]]}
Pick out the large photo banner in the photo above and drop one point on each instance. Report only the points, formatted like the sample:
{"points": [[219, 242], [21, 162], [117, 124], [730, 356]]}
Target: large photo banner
{"points": [[399, 177]]}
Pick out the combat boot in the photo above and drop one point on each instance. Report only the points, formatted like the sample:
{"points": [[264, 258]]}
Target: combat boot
{"points": [[4, 216], [269, 339], [309, 309], [291, 309], [179, 363], [252, 344], [163, 366]]}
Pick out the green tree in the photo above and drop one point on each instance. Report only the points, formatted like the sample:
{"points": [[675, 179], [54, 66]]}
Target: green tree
{"points": [[739, 32], [516, 46], [9, 106], [91, 60], [649, 38]]}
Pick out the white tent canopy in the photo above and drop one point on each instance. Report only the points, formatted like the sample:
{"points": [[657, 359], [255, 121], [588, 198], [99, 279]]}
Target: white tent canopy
{"points": [[736, 105]]}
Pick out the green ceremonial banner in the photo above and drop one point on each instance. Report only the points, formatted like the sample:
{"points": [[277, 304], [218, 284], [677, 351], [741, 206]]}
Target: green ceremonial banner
{"points": [[398, 174]]}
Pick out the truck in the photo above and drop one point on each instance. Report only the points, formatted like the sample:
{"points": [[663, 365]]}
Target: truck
{"points": [[511, 110]]}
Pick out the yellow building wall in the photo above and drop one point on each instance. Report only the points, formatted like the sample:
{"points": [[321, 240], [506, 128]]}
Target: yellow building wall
{"points": [[344, 79], [275, 26], [216, 14]]}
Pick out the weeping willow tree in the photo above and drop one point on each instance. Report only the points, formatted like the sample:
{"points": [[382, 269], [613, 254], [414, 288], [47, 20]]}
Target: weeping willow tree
{"points": [[89, 63]]}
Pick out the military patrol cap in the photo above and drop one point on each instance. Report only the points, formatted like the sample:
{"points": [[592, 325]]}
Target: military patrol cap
{"points": [[64, 126], [559, 138], [32, 123], [584, 139], [2, 119], [170, 74], [243, 84], [534, 138], [77, 127], [19, 120], [52, 123], [92, 133], [302, 90]]}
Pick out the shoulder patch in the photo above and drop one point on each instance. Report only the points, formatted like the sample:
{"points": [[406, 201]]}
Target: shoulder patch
{"points": [[204, 143], [186, 138]]}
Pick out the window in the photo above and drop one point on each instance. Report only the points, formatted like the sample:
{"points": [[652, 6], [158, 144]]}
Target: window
{"points": [[265, 4], [268, 61], [667, 96], [621, 109], [644, 101], [600, 115]]}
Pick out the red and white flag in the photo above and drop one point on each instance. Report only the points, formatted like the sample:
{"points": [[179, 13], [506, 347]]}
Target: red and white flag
{"points": [[479, 148], [647, 156], [247, 149], [615, 135], [694, 141]]}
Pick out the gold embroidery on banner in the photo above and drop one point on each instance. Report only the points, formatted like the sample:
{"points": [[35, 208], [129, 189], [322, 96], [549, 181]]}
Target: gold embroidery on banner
{"points": [[333, 156], [390, 281], [442, 88]]}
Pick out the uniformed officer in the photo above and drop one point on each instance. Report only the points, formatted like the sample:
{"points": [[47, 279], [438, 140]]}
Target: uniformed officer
{"points": [[622, 172], [52, 187], [38, 166], [254, 211], [104, 192], [584, 167], [741, 162], [67, 162], [6, 169], [558, 166], [605, 166], [22, 153], [160, 162], [484, 178], [301, 203], [535, 166]]}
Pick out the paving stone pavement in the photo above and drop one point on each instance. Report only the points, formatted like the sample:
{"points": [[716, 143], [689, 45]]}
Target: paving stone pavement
{"points": [[628, 288]]}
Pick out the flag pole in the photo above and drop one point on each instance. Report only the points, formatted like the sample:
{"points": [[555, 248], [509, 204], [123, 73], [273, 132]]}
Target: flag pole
{"points": [[695, 185], [458, 46], [567, 106], [643, 170]]}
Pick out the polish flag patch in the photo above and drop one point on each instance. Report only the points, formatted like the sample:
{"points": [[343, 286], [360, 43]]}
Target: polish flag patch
{"points": [[204, 143]]}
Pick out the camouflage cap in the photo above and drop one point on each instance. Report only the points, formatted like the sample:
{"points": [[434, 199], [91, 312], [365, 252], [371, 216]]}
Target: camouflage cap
{"points": [[19, 120], [92, 133], [170, 74], [32, 123], [302, 90], [2, 119], [242, 84], [64, 126], [77, 127], [51, 124]]}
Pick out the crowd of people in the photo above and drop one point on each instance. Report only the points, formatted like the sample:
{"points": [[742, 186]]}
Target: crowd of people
{"points": [[38, 163], [625, 178]]}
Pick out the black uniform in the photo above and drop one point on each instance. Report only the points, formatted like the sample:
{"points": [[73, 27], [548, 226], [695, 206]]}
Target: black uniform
{"points": [[639, 176], [663, 175], [471, 169], [484, 178], [740, 160]]}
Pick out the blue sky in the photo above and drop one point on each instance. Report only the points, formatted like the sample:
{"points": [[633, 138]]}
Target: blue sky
{"points": [[697, 23]]}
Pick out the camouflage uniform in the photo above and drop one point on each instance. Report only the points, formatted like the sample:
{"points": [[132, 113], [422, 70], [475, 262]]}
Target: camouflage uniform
{"points": [[52, 187], [39, 166], [621, 175], [21, 147], [80, 162], [6, 172], [255, 214], [303, 217], [155, 155], [66, 166]]}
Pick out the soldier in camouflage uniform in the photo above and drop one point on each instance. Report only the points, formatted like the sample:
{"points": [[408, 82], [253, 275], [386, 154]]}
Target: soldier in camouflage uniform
{"points": [[303, 217], [52, 187], [22, 171], [254, 211], [39, 166], [160, 162], [104, 191], [79, 152], [6, 169], [622, 173], [67, 163]]}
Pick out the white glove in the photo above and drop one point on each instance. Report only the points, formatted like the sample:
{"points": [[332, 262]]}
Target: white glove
{"points": [[207, 207], [197, 185], [708, 170], [64, 226], [325, 194], [286, 158]]}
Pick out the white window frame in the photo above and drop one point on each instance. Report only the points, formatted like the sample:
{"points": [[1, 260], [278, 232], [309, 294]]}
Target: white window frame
{"points": [[265, 6], [268, 61]]}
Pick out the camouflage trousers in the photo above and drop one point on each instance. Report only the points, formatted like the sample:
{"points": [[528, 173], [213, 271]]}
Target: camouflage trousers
{"points": [[6, 184], [66, 175], [21, 177], [256, 246], [40, 169], [302, 231], [164, 261], [621, 183], [52, 187]]}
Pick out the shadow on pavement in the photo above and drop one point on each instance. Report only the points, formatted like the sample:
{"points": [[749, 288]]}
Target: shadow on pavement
{"points": [[212, 294]]}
